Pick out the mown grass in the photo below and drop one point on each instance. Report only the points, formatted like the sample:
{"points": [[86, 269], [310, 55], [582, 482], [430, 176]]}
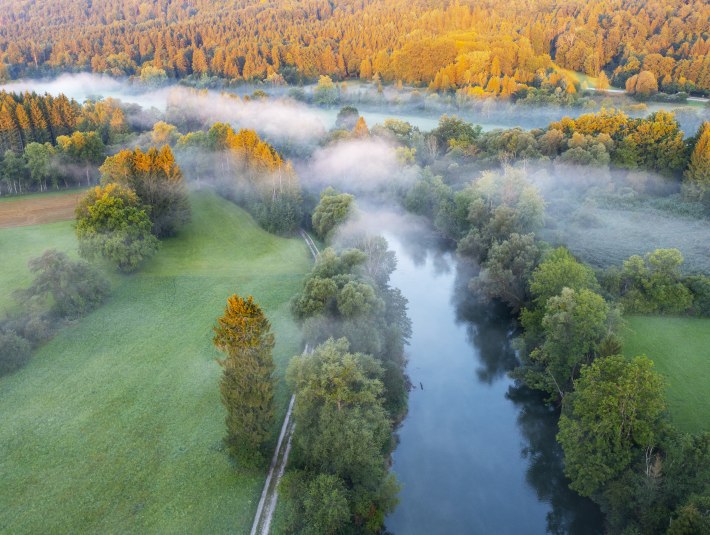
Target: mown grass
{"points": [[680, 350], [116, 425], [19, 244]]}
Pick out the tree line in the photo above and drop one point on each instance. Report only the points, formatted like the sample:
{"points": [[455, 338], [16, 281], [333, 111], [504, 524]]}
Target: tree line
{"points": [[351, 391], [605, 140], [52, 142], [463, 44]]}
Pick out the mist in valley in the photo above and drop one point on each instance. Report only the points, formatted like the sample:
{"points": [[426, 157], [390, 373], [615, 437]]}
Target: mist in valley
{"points": [[460, 352]]}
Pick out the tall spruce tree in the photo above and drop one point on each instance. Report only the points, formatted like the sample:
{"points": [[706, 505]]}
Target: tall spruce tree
{"points": [[243, 333], [697, 177]]}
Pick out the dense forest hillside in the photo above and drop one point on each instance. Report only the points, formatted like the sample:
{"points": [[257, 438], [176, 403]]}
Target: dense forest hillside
{"points": [[469, 45]]}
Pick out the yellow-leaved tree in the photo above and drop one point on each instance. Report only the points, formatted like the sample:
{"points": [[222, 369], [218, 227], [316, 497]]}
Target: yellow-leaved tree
{"points": [[243, 333]]}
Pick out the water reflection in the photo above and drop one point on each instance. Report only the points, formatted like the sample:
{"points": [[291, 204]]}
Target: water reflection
{"points": [[488, 327], [476, 453], [570, 514]]}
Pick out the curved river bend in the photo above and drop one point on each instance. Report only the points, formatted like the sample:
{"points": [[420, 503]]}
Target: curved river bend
{"points": [[475, 454]]}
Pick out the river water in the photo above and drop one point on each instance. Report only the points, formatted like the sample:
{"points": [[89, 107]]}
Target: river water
{"points": [[475, 454]]}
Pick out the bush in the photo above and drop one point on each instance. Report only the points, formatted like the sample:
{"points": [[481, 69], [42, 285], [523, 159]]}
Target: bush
{"points": [[14, 352], [75, 287]]}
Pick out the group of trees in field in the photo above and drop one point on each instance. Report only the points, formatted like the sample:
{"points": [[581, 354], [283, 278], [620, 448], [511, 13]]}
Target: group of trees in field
{"points": [[457, 45], [142, 198], [52, 142], [62, 289], [246, 169], [619, 449]]}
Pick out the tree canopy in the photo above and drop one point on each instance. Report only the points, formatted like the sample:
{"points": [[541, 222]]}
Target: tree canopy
{"points": [[157, 180], [612, 418], [111, 223]]}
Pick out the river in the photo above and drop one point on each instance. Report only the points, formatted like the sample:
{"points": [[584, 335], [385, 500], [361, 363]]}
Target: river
{"points": [[475, 455]]}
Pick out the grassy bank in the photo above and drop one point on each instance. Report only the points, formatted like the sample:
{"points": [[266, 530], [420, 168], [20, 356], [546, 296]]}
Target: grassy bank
{"points": [[680, 349], [115, 426]]}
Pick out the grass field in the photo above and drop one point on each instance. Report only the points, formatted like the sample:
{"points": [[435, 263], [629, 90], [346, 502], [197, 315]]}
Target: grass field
{"points": [[116, 425], [680, 349], [19, 244]]}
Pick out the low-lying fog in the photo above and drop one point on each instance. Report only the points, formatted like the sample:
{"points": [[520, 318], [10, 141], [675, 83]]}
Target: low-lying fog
{"points": [[600, 233], [284, 116]]}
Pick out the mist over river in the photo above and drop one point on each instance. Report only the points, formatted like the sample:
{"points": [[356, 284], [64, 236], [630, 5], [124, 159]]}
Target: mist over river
{"points": [[476, 455]]}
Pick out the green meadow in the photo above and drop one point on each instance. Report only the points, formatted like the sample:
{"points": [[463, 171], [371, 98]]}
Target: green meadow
{"points": [[116, 425], [680, 350]]}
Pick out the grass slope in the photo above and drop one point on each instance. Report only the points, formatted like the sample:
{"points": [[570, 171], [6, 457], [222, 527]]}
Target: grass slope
{"points": [[680, 349], [116, 424]]}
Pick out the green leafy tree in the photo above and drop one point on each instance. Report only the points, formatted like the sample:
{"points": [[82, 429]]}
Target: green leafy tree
{"points": [[358, 299], [39, 163], [347, 118], [82, 149], [559, 269], [653, 284], [692, 518], [243, 333], [574, 324], [499, 206], [325, 505], [342, 427], [13, 171], [326, 92], [111, 223], [506, 272], [454, 132], [75, 287], [380, 262], [332, 210], [612, 419]]}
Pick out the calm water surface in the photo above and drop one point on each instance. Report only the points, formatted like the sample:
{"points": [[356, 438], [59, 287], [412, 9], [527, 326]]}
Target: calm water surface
{"points": [[476, 455]]}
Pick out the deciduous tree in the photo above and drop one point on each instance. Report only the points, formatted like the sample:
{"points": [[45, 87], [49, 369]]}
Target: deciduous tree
{"points": [[612, 418], [111, 223]]}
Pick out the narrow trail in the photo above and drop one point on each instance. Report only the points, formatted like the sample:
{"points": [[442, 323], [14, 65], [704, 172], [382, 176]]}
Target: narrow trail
{"points": [[270, 494]]}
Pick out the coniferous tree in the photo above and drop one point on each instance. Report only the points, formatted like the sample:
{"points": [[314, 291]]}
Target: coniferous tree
{"points": [[697, 176], [243, 333]]}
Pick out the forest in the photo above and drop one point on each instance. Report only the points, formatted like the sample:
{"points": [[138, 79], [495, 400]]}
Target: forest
{"points": [[472, 47]]}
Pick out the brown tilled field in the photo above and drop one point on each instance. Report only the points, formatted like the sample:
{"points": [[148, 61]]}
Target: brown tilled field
{"points": [[38, 209]]}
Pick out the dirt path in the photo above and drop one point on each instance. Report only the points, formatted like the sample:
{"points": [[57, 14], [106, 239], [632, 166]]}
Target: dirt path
{"points": [[270, 494], [38, 209]]}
